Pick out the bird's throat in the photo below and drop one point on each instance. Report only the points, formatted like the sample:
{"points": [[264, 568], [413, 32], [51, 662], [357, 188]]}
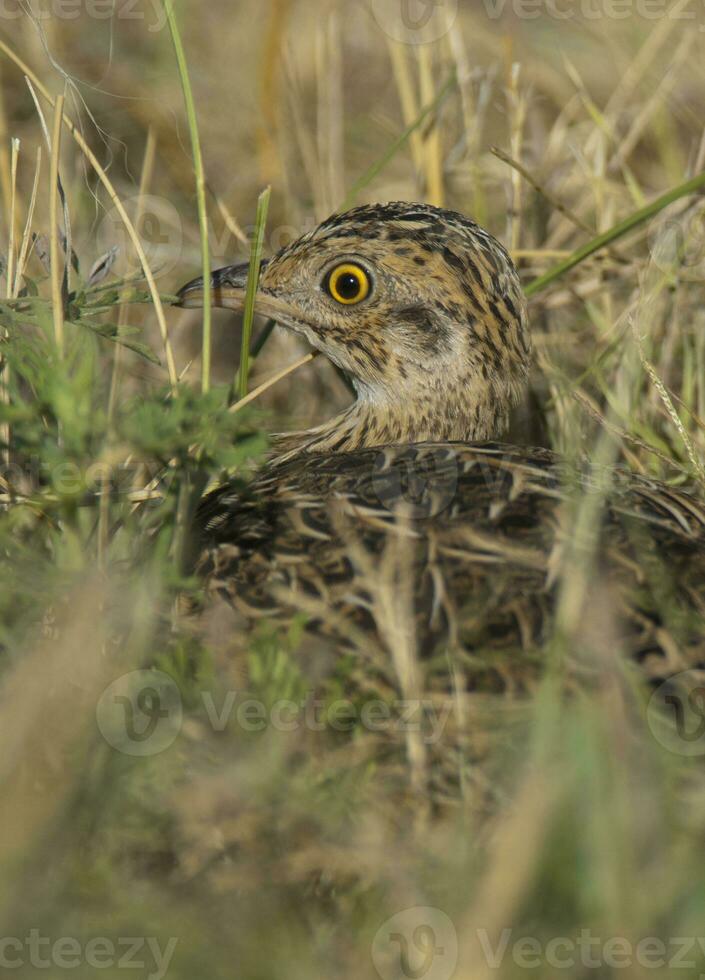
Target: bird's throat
{"points": [[466, 414]]}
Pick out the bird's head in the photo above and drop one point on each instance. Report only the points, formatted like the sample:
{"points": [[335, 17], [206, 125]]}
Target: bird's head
{"points": [[420, 306]]}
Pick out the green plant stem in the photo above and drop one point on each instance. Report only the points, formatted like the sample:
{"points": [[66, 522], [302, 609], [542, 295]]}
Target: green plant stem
{"points": [[200, 191], [117, 203], [617, 231], [251, 291], [259, 343], [398, 143]]}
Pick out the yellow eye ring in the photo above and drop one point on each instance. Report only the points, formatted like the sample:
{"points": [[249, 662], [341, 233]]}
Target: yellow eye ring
{"points": [[348, 284]]}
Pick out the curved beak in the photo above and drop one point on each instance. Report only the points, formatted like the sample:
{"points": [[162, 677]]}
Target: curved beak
{"points": [[228, 288]]}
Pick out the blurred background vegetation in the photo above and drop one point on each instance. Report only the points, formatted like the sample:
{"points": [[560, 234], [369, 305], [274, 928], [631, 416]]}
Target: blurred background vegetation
{"points": [[271, 854]]}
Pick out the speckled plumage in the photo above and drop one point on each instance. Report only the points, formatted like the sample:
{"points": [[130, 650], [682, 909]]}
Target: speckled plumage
{"points": [[400, 492]]}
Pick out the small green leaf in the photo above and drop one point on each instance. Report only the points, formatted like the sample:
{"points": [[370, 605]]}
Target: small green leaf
{"points": [[121, 335]]}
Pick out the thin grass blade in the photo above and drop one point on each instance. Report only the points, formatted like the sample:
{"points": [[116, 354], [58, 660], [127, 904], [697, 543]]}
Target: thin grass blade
{"points": [[427, 112], [251, 291], [614, 233]]}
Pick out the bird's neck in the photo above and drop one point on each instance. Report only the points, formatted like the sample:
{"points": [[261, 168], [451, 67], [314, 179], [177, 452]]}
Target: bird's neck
{"points": [[439, 409]]}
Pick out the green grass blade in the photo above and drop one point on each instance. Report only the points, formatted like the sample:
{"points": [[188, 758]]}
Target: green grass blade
{"points": [[251, 292], [200, 191], [614, 233], [259, 343], [399, 142]]}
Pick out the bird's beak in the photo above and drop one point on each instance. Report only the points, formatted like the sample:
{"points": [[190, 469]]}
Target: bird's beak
{"points": [[228, 287]]}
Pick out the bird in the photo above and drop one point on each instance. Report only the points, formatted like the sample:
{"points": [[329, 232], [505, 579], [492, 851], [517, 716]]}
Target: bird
{"points": [[405, 528]]}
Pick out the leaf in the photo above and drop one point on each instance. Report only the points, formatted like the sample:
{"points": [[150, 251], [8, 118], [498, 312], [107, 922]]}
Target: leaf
{"points": [[75, 265], [107, 299], [102, 266], [144, 350], [111, 331], [30, 288], [41, 248]]}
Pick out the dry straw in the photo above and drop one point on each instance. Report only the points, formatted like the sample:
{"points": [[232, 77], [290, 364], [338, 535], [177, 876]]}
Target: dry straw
{"points": [[57, 300], [119, 207]]}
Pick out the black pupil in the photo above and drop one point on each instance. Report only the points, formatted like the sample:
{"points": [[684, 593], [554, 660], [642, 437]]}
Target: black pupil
{"points": [[348, 285]]}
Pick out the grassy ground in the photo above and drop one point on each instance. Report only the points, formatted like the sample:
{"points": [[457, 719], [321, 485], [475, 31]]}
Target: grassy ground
{"points": [[560, 837]]}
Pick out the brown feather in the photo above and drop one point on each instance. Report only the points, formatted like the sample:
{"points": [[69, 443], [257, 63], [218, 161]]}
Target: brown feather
{"points": [[399, 505]]}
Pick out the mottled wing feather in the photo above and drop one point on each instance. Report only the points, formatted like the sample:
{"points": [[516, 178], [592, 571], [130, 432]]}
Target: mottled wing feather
{"points": [[478, 535]]}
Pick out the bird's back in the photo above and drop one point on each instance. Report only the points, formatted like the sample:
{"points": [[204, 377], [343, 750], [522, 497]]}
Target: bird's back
{"points": [[463, 550]]}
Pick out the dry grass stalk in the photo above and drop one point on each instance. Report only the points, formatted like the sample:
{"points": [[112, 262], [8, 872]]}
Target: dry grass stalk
{"points": [[112, 193], [26, 243], [57, 299], [433, 145], [407, 97], [273, 380]]}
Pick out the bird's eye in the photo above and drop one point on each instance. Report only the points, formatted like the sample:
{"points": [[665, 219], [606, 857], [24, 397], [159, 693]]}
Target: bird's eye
{"points": [[348, 284]]}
